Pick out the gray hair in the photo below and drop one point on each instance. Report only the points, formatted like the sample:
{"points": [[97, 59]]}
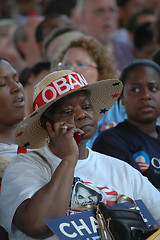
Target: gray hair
{"points": [[20, 34], [80, 6]]}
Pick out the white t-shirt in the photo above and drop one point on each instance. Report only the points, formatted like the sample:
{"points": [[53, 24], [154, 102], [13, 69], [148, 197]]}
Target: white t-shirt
{"points": [[8, 150], [27, 173]]}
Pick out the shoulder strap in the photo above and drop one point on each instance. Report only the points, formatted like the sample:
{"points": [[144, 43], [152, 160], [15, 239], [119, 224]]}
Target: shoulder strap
{"points": [[45, 160], [128, 199]]}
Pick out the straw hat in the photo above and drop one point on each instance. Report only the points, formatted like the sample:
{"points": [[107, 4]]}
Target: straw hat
{"points": [[103, 94]]}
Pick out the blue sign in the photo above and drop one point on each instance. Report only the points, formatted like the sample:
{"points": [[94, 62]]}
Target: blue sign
{"points": [[79, 226], [84, 225]]}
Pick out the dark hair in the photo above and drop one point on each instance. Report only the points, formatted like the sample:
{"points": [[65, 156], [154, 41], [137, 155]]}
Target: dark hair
{"points": [[40, 66], [138, 63], [36, 69], [59, 6], [133, 21], [24, 76], [57, 32], [122, 3], [19, 34], [143, 35], [39, 30], [156, 56]]}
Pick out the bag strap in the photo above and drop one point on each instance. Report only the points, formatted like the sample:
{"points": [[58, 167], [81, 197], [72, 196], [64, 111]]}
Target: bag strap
{"points": [[83, 208], [127, 198], [101, 224], [99, 216], [45, 160]]}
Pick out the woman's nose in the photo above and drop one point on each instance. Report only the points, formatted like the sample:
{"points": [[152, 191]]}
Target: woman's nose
{"points": [[145, 94], [80, 114], [15, 86]]}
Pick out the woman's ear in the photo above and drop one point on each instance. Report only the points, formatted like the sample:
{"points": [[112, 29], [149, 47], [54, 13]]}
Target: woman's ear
{"points": [[49, 123], [50, 130], [45, 121]]}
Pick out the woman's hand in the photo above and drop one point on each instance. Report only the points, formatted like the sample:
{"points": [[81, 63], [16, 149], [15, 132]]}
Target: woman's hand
{"points": [[62, 141]]}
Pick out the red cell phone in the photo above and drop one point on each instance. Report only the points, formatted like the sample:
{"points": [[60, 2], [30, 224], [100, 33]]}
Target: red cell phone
{"points": [[77, 137]]}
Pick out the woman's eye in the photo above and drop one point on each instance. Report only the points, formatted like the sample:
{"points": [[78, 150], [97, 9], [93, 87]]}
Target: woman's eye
{"points": [[81, 65], [2, 82], [2, 85], [153, 89], [86, 106], [67, 111], [135, 90]]}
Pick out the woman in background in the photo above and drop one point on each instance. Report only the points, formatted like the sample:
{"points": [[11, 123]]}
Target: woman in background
{"points": [[87, 56]]}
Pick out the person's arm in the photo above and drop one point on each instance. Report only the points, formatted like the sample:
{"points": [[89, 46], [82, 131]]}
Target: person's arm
{"points": [[52, 200]]}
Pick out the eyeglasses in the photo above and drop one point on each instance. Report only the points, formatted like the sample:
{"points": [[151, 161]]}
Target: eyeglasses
{"points": [[76, 66]]}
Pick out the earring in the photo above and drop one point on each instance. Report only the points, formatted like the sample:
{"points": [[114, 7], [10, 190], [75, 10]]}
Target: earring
{"points": [[48, 140]]}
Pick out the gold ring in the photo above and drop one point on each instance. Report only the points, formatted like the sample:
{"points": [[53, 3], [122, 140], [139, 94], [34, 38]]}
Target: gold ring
{"points": [[64, 127]]}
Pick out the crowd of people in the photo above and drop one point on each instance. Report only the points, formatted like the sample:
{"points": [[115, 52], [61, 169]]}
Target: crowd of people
{"points": [[86, 67]]}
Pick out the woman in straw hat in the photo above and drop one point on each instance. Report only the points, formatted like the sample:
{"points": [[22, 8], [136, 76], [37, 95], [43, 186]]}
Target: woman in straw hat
{"points": [[39, 185]]}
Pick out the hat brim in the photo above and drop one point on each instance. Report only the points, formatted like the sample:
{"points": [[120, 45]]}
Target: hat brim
{"points": [[103, 94]]}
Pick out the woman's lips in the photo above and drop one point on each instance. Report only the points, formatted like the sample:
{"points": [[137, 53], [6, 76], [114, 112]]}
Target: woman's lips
{"points": [[146, 108], [19, 102]]}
